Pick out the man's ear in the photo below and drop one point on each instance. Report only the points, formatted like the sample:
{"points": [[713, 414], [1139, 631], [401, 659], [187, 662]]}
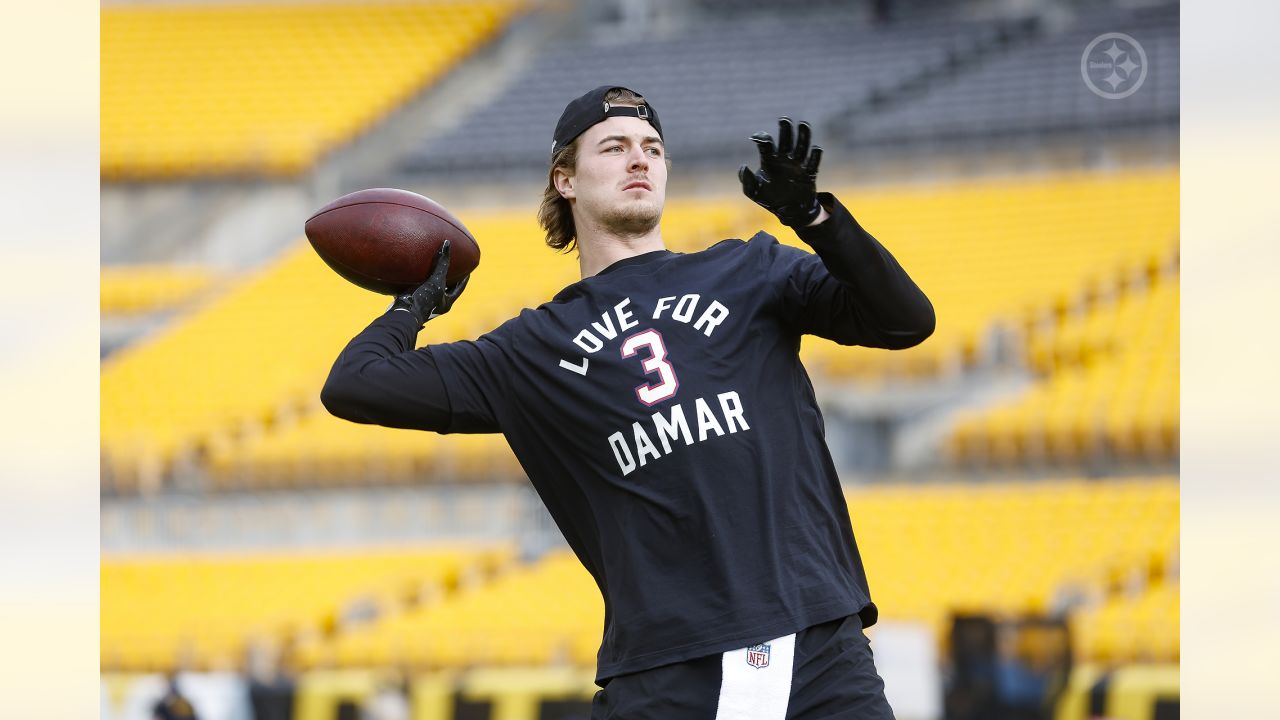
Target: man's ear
{"points": [[564, 183]]}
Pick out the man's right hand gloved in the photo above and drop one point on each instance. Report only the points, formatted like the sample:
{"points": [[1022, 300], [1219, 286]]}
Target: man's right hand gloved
{"points": [[786, 183], [432, 298]]}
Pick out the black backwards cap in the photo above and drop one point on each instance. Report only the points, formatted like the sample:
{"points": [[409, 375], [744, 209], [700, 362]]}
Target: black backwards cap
{"points": [[590, 109]]}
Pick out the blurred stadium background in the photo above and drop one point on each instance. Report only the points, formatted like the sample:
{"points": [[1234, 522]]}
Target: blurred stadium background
{"points": [[1013, 482]]}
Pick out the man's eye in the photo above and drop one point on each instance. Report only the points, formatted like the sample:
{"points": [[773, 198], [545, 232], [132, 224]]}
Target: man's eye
{"points": [[611, 148], [655, 152]]}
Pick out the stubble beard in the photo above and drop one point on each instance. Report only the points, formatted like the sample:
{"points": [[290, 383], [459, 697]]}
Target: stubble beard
{"points": [[632, 219]]}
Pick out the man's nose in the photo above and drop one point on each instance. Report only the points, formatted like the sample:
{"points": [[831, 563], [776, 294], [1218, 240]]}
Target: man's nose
{"points": [[638, 160]]}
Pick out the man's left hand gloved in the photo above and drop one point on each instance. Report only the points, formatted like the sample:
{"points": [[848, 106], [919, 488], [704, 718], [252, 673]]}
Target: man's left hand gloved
{"points": [[432, 298], [786, 183]]}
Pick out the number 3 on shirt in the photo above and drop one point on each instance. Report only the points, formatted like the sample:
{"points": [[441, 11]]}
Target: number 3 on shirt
{"points": [[657, 363]]}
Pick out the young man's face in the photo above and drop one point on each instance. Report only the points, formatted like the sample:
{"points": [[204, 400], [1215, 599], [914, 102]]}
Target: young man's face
{"points": [[620, 182]]}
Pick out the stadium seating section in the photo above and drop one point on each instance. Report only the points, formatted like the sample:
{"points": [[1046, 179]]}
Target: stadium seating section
{"points": [[935, 78], [1105, 549], [1001, 253], [1036, 88], [235, 384], [241, 89], [735, 92], [134, 289], [206, 610], [232, 365], [1017, 548], [549, 612], [1110, 388]]}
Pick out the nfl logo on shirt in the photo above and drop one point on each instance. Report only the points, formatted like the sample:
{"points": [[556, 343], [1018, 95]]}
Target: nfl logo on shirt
{"points": [[758, 655]]}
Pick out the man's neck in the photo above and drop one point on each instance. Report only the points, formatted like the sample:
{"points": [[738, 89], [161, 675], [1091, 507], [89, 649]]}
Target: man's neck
{"points": [[598, 249]]}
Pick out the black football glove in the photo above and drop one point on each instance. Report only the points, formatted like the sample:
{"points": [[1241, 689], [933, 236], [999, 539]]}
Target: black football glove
{"points": [[432, 298], [786, 183]]}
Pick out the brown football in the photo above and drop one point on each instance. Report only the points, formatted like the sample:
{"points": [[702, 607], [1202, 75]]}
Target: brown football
{"points": [[386, 240]]}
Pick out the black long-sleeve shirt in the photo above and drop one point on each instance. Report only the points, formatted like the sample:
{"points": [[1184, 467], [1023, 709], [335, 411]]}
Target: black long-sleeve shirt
{"points": [[662, 413]]}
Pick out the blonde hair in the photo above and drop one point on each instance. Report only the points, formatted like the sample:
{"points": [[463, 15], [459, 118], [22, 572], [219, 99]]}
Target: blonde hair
{"points": [[555, 214]]}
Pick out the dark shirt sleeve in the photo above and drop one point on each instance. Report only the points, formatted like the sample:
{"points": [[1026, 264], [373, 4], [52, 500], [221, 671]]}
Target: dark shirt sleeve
{"points": [[477, 374], [853, 291], [380, 379]]}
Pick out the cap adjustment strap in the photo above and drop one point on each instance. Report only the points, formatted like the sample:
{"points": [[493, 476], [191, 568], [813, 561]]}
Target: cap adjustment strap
{"points": [[640, 111]]}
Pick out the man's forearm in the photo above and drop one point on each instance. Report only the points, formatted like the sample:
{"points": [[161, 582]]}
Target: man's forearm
{"points": [[380, 379], [878, 284]]}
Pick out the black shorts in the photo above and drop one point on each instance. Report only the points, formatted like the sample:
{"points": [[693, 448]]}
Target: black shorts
{"points": [[824, 671]]}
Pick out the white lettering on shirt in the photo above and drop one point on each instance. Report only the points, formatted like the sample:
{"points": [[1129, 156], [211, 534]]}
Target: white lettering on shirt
{"points": [[635, 448], [620, 318]]}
